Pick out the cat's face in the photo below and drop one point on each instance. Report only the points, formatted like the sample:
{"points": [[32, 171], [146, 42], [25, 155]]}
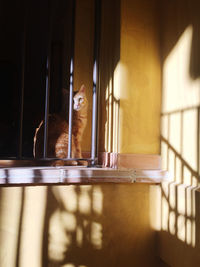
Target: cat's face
{"points": [[80, 100]]}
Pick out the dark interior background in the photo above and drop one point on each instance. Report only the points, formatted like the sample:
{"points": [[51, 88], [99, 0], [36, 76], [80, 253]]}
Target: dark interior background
{"points": [[26, 30]]}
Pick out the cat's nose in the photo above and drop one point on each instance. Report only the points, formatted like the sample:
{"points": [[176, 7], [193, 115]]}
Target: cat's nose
{"points": [[76, 107]]}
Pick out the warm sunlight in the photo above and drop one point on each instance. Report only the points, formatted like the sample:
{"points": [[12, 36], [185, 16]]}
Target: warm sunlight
{"points": [[71, 226], [10, 221], [179, 146], [112, 112], [181, 99], [179, 89], [32, 229]]}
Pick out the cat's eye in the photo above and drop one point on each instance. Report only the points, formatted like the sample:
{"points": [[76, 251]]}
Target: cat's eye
{"points": [[80, 99]]}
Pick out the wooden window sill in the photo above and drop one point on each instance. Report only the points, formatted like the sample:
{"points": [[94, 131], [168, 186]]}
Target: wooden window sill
{"points": [[68, 175]]}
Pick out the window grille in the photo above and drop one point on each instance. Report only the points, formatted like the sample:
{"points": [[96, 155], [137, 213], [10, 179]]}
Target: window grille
{"points": [[24, 72]]}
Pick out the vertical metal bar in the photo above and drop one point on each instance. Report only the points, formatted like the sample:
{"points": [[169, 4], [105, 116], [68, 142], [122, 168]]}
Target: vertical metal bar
{"points": [[70, 109], [46, 117], [22, 88], [94, 114], [71, 82], [95, 79]]}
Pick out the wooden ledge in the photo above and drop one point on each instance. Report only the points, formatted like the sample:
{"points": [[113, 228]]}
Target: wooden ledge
{"points": [[77, 175]]}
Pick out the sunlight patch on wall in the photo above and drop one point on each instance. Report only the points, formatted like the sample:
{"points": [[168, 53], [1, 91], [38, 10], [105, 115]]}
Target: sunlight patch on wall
{"points": [[11, 201], [79, 236], [180, 152], [32, 226], [171, 162], [96, 235], [172, 222], [181, 100], [165, 214], [190, 138], [121, 96], [61, 226], [179, 89], [109, 116], [178, 170], [75, 225], [68, 221], [172, 196], [164, 154], [188, 232], [84, 201], [187, 176], [193, 233], [175, 132], [112, 102], [181, 208], [97, 206], [181, 227], [69, 200], [178, 211]]}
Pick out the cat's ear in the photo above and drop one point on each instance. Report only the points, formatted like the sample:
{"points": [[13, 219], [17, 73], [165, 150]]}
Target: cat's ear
{"points": [[82, 89]]}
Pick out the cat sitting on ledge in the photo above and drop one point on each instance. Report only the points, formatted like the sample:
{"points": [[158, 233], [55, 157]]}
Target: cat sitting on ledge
{"points": [[58, 132]]}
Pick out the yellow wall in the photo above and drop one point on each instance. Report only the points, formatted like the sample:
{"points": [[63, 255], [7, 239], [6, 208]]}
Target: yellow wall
{"points": [[105, 225], [129, 74], [101, 225], [139, 71], [179, 236]]}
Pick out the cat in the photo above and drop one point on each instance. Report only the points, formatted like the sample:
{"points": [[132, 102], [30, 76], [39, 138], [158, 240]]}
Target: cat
{"points": [[58, 131]]}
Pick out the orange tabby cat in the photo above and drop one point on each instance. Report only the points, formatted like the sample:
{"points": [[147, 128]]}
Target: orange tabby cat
{"points": [[58, 131]]}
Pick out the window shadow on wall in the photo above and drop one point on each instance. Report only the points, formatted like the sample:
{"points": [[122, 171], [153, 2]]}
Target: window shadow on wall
{"points": [[109, 58], [180, 134], [76, 226]]}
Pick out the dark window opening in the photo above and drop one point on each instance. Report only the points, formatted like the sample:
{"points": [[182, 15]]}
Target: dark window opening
{"points": [[36, 62]]}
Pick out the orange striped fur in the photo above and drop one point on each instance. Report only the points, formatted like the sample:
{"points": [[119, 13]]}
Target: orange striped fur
{"points": [[58, 132]]}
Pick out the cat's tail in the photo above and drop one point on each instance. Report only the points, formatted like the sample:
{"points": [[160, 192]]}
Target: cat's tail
{"points": [[35, 139]]}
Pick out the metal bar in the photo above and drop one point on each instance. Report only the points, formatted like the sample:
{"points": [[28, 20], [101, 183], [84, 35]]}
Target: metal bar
{"points": [[46, 108], [71, 81], [47, 85], [95, 80], [94, 114], [70, 110]]}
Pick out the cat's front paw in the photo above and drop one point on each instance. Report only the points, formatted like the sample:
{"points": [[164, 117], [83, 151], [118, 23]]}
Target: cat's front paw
{"points": [[57, 163], [83, 163], [72, 163]]}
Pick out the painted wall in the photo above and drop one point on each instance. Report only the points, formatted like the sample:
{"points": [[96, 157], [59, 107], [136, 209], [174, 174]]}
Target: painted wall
{"points": [[130, 81], [101, 225], [179, 233], [139, 78], [110, 225]]}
